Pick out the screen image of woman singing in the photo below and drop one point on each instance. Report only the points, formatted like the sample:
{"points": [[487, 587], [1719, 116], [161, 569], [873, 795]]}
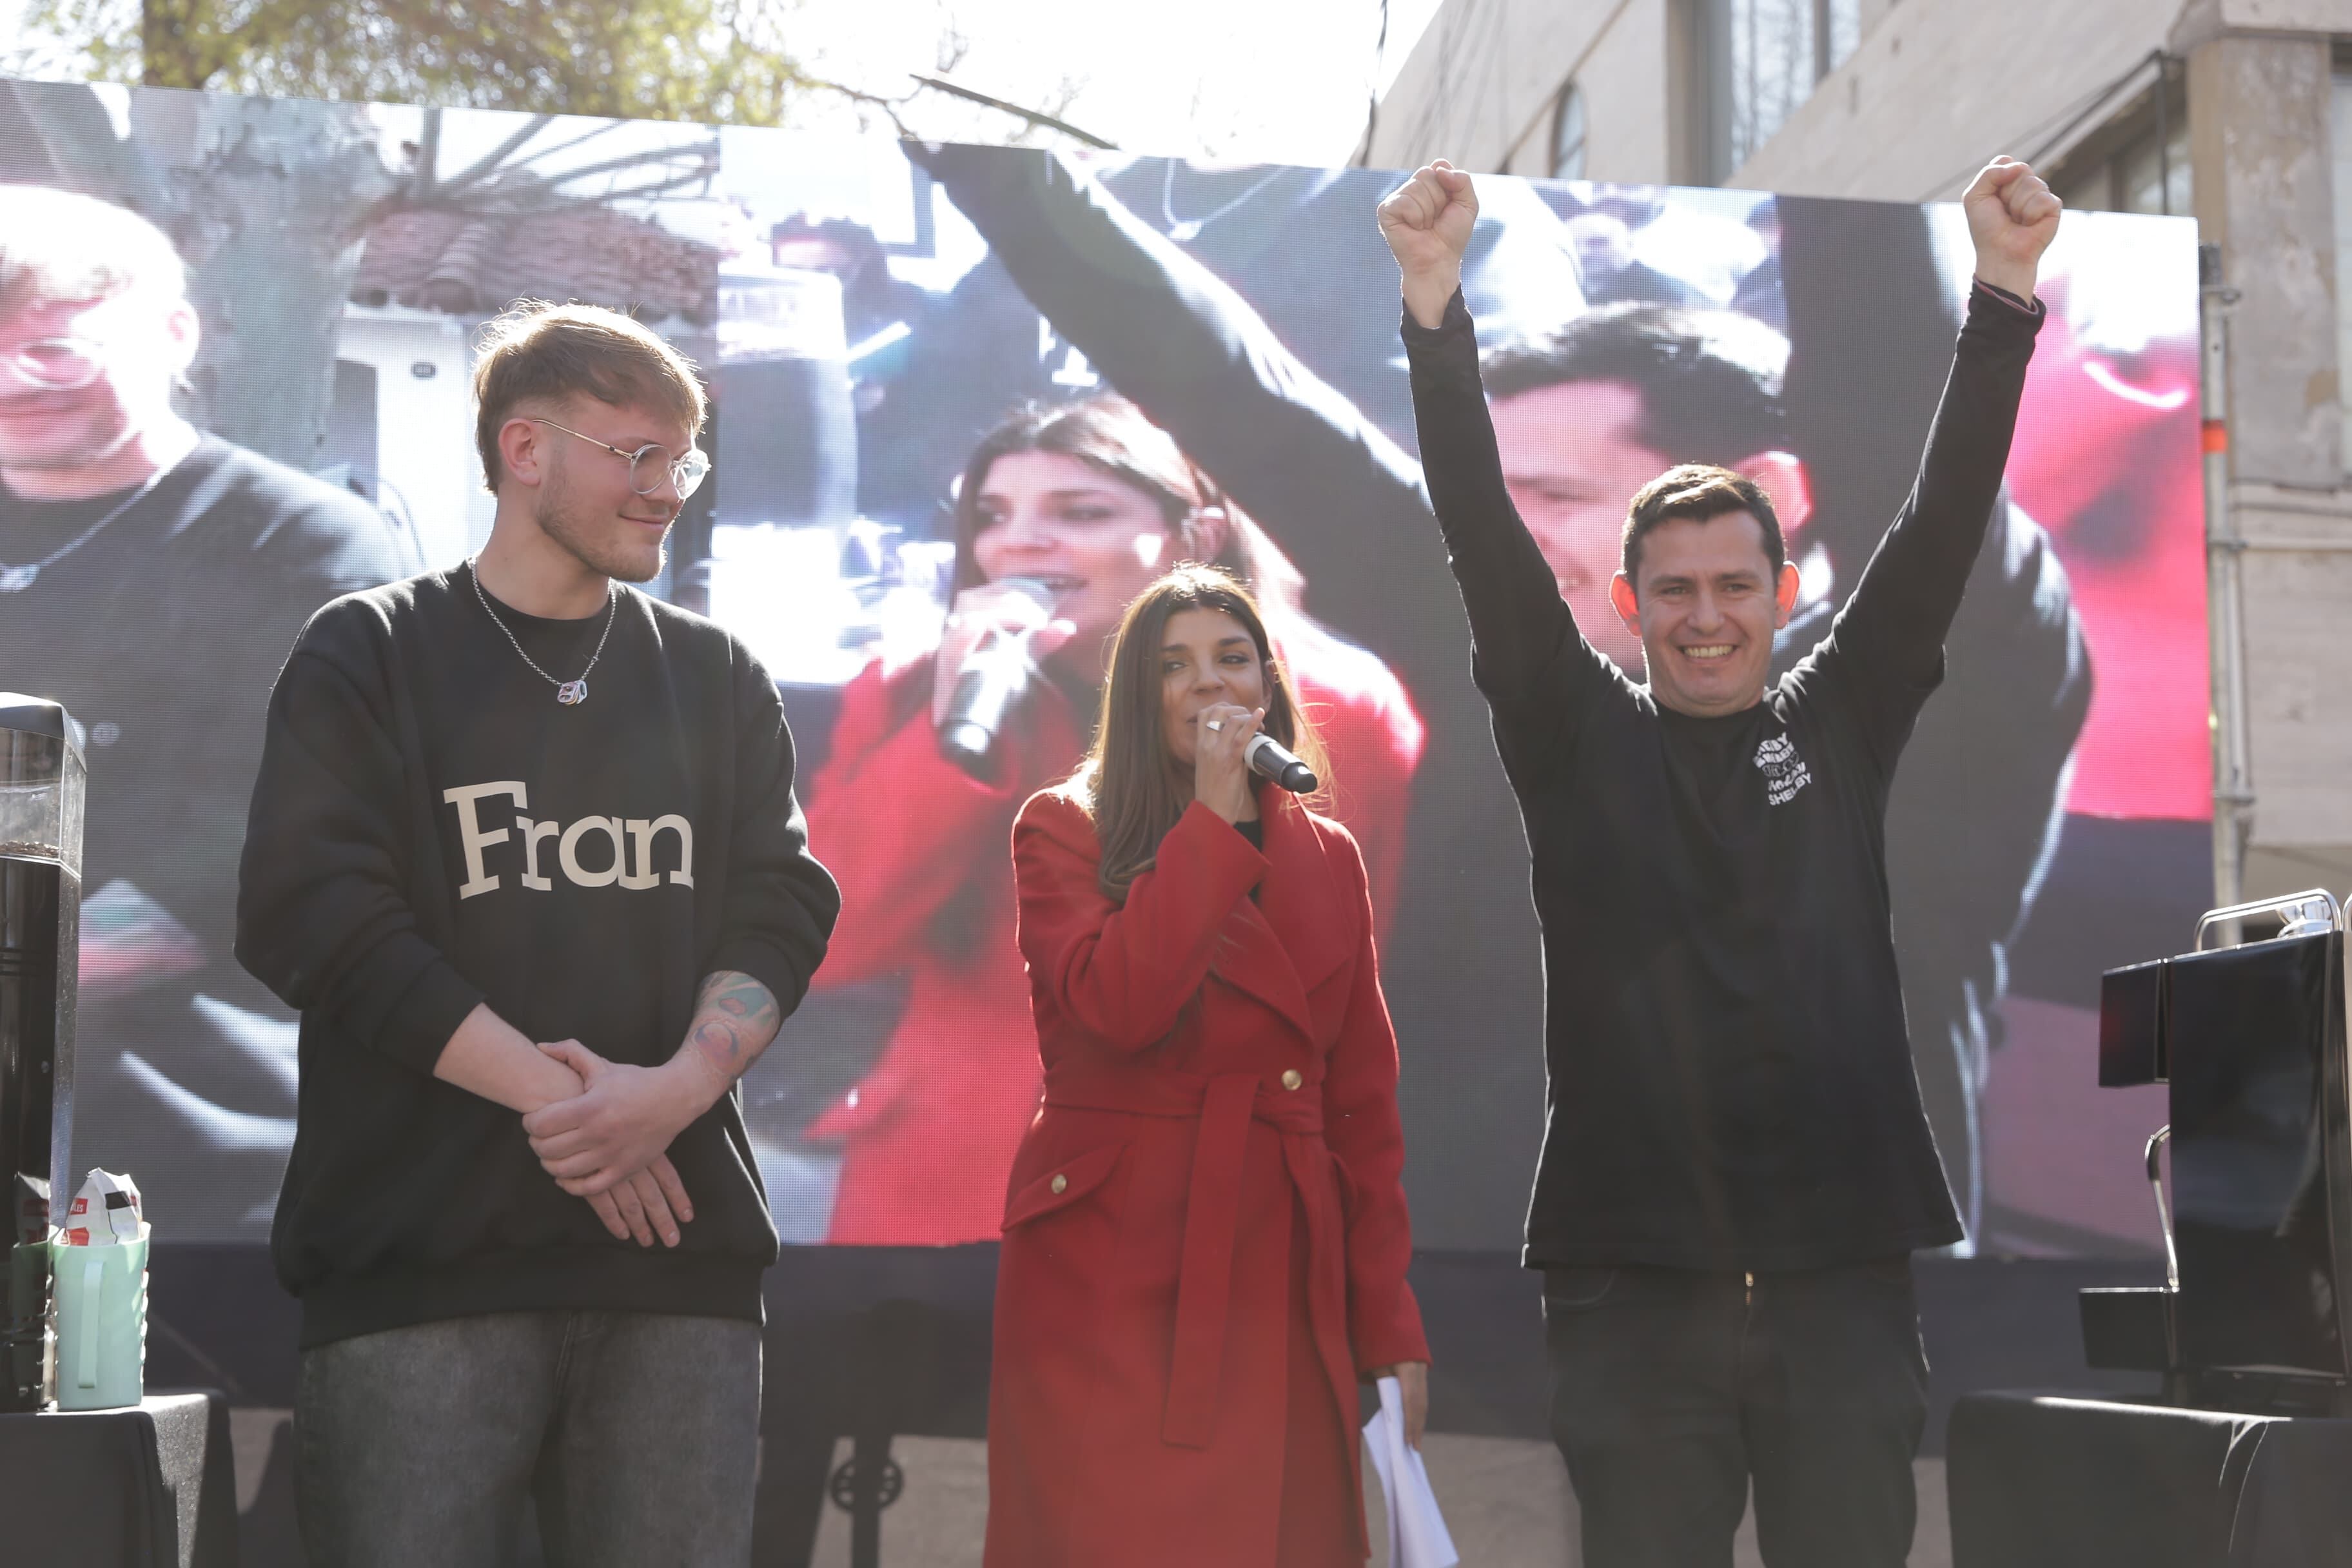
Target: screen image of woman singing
{"points": [[1063, 514], [1206, 1238]]}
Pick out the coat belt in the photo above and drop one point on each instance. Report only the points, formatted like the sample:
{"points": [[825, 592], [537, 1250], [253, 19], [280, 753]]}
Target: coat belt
{"points": [[1226, 1105]]}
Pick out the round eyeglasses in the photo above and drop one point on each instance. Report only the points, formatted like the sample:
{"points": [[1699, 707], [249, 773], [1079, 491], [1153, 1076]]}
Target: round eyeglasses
{"points": [[649, 466], [54, 365]]}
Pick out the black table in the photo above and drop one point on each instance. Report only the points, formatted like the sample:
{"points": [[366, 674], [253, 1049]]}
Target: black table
{"points": [[2068, 1480], [145, 1487]]}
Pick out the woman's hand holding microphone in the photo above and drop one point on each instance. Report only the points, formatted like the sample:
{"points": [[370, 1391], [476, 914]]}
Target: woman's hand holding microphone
{"points": [[1016, 608], [1221, 780]]}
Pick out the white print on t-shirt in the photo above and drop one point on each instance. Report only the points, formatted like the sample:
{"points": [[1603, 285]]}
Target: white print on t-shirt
{"points": [[618, 872], [1784, 772]]}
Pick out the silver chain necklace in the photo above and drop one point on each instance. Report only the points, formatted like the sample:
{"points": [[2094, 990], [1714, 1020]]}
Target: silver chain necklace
{"points": [[1183, 231], [570, 693], [17, 579]]}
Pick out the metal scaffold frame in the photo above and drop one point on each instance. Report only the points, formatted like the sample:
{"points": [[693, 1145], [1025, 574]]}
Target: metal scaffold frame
{"points": [[2225, 549]]}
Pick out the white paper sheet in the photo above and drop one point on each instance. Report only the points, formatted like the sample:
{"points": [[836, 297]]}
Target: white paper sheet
{"points": [[1417, 1534]]}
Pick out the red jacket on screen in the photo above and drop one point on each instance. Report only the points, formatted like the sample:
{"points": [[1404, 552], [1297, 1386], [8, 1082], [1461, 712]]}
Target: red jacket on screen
{"points": [[2106, 459], [918, 848], [1206, 1239]]}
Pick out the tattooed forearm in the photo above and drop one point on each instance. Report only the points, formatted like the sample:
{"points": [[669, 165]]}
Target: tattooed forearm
{"points": [[735, 1017]]}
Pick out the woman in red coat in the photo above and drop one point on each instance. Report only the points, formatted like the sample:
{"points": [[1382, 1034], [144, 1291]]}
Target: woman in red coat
{"points": [[1205, 1240], [1063, 515]]}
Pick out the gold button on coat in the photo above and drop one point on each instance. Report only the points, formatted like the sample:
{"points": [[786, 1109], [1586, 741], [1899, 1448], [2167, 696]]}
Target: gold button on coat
{"points": [[1291, 1079], [1061, 1185]]}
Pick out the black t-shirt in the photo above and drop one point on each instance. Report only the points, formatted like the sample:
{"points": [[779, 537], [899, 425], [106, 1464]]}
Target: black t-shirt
{"points": [[1730, 1081], [161, 633], [33, 530], [431, 830]]}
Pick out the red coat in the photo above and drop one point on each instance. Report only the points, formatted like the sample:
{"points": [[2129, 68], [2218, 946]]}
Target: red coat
{"points": [[1205, 1241], [918, 848]]}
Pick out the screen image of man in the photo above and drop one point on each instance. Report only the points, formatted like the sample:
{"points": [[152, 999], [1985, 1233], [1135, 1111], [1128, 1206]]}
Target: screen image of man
{"points": [[525, 853], [1736, 1165], [151, 579]]}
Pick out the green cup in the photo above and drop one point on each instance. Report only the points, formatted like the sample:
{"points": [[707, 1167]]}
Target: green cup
{"points": [[101, 1324]]}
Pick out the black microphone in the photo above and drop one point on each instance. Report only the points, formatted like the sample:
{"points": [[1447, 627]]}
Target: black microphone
{"points": [[995, 674], [1270, 759]]}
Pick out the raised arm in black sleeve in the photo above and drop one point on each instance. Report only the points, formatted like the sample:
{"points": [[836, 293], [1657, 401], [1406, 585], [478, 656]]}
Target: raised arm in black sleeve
{"points": [[1527, 655], [1194, 355], [1887, 643]]}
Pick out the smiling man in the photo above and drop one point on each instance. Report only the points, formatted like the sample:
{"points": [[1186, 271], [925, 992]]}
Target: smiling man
{"points": [[152, 577], [525, 852], [1736, 1164]]}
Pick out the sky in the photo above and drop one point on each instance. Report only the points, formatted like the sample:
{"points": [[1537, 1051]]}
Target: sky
{"points": [[1241, 80], [1246, 81]]}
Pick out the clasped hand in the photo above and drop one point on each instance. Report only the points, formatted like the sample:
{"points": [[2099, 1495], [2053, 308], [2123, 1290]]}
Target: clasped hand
{"points": [[608, 1143]]}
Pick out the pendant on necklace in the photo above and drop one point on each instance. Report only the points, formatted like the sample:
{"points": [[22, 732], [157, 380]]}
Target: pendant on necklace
{"points": [[17, 579], [1185, 232], [572, 693]]}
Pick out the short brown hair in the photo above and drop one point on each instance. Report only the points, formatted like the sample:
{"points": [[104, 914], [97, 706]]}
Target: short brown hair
{"points": [[60, 246], [536, 351], [1698, 493]]}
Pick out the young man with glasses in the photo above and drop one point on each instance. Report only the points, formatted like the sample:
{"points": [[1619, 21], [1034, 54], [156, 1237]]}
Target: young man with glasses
{"points": [[151, 578], [525, 852]]}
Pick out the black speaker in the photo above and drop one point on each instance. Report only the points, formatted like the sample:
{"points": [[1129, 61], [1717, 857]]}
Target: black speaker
{"points": [[2250, 1042], [42, 789]]}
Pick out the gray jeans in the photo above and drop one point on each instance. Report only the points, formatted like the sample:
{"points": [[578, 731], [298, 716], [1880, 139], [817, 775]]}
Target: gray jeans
{"points": [[635, 1434]]}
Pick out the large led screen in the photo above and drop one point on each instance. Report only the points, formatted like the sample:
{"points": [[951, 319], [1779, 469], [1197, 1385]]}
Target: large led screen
{"points": [[949, 375]]}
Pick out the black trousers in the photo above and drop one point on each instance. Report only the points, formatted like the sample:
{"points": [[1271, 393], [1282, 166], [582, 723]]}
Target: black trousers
{"points": [[1672, 1390]]}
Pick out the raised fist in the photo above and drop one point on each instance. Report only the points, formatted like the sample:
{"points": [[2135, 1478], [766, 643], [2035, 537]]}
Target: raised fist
{"points": [[2013, 217], [1427, 222]]}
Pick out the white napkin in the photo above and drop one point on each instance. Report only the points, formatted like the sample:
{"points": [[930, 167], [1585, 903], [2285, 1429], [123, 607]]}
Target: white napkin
{"points": [[1417, 1534]]}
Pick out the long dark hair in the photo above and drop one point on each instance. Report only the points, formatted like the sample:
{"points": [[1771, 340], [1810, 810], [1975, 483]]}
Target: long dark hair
{"points": [[1117, 440], [1130, 784]]}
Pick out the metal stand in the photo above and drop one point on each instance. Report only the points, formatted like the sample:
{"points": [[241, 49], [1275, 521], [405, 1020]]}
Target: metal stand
{"points": [[863, 1486], [871, 1373]]}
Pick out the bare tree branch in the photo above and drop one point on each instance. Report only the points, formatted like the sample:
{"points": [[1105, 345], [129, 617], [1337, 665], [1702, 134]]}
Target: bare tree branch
{"points": [[488, 163], [1033, 117]]}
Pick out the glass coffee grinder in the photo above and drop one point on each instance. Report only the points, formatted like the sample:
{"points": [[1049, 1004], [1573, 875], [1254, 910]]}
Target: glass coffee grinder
{"points": [[42, 786]]}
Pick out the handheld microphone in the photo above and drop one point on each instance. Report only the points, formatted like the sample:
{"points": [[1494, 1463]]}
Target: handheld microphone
{"points": [[1270, 759], [994, 676]]}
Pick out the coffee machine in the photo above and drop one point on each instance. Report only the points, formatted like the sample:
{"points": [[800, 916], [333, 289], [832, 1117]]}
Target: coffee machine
{"points": [[2247, 1030], [42, 787]]}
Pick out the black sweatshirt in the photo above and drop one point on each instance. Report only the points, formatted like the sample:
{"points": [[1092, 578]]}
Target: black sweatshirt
{"points": [[1730, 1081], [431, 830]]}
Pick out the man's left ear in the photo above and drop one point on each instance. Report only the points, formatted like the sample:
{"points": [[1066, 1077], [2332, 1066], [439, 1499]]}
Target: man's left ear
{"points": [[1784, 595], [1781, 475], [185, 334], [1626, 603]]}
